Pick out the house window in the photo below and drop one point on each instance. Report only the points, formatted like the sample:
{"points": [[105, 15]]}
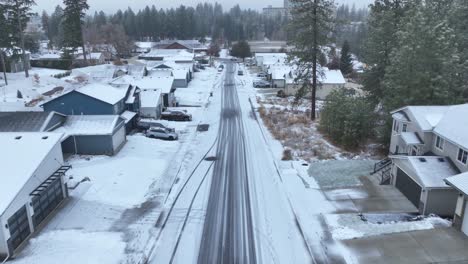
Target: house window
{"points": [[440, 142], [462, 156], [397, 149], [405, 127], [396, 126]]}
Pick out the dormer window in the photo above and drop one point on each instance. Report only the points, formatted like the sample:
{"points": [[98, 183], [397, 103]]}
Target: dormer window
{"points": [[405, 127], [440, 142]]}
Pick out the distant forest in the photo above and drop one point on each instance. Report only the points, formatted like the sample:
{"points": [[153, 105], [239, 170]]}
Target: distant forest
{"points": [[206, 20]]}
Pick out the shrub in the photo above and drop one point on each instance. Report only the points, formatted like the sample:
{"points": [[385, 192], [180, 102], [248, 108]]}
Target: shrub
{"points": [[287, 154]]}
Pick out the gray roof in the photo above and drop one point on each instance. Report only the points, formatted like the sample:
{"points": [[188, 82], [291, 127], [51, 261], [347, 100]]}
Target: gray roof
{"points": [[23, 121]]}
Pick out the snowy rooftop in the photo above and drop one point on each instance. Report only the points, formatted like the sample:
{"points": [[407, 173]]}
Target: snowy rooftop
{"points": [[103, 92], [411, 138], [454, 125], [80, 125], [171, 54], [459, 182], [91, 56], [332, 77], [24, 121], [150, 97], [20, 159], [165, 84], [429, 172], [426, 116], [128, 115]]}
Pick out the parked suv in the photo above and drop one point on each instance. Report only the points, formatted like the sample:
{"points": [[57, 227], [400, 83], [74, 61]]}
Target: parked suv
{"points": [[147, 124], [176, 116], [262, 84], [155, 132]]}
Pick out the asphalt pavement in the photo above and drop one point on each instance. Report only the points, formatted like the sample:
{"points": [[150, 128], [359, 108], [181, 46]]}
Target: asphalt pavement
{"points": [[228, 235]]}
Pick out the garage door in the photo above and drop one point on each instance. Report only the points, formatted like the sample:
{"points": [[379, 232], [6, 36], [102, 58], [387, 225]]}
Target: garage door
{"points": [[46, 200], [18, 226], [408, 187]]}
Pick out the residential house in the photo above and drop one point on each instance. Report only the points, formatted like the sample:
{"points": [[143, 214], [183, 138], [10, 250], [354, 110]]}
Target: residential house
{"points": [[193, 46], [151, 103], [14, 60], [265, 60], [328, 81], [32, 185], [91, 99], [93, 58], [165, 85], [182, 74], [429, 145], [97, 99]]}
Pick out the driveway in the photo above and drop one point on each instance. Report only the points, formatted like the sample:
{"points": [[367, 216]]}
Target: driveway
{"points": [[440, 245]]}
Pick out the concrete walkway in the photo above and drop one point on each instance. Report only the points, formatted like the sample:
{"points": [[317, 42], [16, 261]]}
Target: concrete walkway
{"points": [[440, 245]]}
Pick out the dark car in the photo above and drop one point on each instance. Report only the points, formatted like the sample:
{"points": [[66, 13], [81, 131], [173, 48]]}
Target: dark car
{"points": [[176, 116]]}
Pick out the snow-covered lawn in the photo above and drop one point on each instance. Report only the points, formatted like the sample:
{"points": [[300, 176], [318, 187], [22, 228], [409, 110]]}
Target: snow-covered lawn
{"points": [[340, 173], [196, 93], [39, 82], [350, 226]]}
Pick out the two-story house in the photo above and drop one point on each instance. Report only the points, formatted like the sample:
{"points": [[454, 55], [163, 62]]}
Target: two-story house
{"points": [[96, 99], [428, 145]]}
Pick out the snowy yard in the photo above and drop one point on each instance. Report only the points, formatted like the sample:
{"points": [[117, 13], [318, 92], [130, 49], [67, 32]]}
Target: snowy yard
{"points": [[351, 226], [340, 173], [39, 82]]}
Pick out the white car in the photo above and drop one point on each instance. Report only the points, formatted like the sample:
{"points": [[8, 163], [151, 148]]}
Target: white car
{"points": [[155, 132]]}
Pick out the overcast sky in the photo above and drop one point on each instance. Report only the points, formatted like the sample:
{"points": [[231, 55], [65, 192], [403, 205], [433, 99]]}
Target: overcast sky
{"points": [[113, 5]]}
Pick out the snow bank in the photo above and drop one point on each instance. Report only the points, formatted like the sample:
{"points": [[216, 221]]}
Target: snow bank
{"points": [[350, 226], [100, 247]]}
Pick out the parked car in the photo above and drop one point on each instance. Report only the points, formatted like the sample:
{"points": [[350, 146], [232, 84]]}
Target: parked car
{"points": [[148, 123], [262, 75], [176, 115], [155, 132], [240, 73], [262, 84]]}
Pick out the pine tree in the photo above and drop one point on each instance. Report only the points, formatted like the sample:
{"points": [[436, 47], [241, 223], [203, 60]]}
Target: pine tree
{"points": [[18, 13], [384, 22], [45, 23], [424, 69], [312, 23], [72, 23], [458, 19], [346, 62]]}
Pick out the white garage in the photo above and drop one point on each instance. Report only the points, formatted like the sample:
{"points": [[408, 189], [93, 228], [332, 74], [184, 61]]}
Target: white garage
{"points": [[32, 185], [460, 218]]}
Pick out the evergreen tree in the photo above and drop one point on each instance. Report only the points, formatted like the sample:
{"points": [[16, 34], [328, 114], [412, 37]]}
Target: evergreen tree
{"points": [[346, 62], [18, 14], [346, 119], [312, 23], [384, 23], [45, 22], [72, 23], [241, 50], [55, 29], [425, 68], [458, 19]]}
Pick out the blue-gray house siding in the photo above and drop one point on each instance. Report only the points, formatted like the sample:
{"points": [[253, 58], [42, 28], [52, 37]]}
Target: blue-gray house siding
{"points": [[75, 103]]}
